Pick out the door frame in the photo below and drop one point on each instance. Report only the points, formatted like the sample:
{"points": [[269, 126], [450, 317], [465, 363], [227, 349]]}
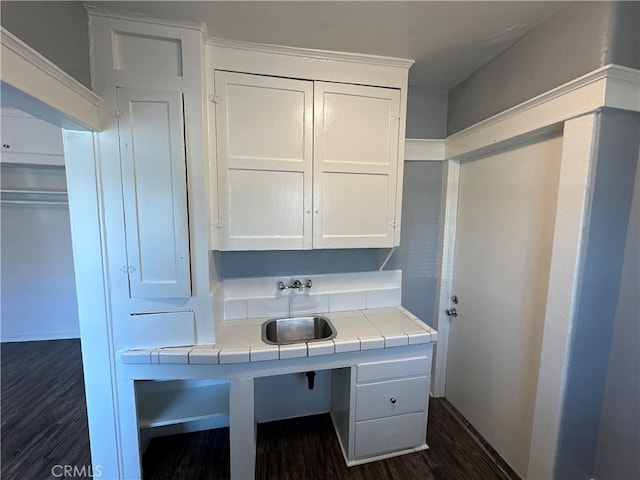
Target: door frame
{"points": [[573, 209], [574, 109]]}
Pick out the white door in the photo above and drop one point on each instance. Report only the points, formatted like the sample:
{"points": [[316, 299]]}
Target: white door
{"points": [[154, 187], [355, 165], [264, 128], [504, 232]]}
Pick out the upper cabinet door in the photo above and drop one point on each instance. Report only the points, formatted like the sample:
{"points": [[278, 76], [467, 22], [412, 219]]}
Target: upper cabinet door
{"points": [[154, 187], [355, 165], [264, 129]]}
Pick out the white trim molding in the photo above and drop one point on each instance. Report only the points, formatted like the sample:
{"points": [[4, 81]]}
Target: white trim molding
{"points": [[312, 53], [448, 223], [32, 74], [573, 212], [611, 86], [38, 336], [418, 149]]}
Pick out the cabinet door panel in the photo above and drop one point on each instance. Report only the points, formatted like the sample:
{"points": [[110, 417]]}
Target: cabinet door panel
{"points": [[265, 200], [264, 130], [355, 213], [155, 192], [355, 165]]}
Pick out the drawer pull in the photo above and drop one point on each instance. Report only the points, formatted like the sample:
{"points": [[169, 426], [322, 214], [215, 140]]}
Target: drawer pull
{"points": [[392, 399]]}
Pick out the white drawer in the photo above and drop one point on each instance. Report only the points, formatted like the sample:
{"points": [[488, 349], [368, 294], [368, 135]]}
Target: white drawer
{"points": [[410, 367], [397, 397], [391, 434]]}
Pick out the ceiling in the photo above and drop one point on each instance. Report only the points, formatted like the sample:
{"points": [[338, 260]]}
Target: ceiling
{"points": [[448, 40]]}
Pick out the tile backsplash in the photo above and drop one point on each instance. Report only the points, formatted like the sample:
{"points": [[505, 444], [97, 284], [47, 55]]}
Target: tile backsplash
{"points": [[260, 297]]}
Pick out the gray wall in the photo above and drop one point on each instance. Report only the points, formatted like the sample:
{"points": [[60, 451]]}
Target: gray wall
{"points": [[590, 342], [580, 38], [619, 441], [295, 262], [57, 30], [417, 255], [625, 39], [426, 113]]}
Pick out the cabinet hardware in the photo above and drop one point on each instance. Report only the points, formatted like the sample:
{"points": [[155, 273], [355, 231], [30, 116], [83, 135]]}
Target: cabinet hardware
{"points": [[452, 312], [392, 400], [116, 114], [296, 285], [215, 99], [127, 269]]}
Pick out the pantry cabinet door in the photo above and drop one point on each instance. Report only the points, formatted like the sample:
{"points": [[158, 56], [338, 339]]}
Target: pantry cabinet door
{"points": [[264, 130], [154, 189], [355, 165]]}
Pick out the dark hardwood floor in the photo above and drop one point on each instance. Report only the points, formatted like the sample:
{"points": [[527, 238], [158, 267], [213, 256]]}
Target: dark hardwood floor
{"points": [[44, 418], [44, 424]]}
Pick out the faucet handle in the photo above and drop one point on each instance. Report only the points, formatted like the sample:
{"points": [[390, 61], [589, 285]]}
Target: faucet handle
{"points": [[308, 283], [281, 286]]}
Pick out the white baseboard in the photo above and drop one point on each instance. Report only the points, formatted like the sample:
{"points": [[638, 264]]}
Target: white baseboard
{"points": [[39, 336]]}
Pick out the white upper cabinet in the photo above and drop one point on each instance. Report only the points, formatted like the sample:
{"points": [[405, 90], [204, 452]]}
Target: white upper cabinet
{"points": [[264, 131], [307, 147], [306, 164], [154, 187], [355, 165]]}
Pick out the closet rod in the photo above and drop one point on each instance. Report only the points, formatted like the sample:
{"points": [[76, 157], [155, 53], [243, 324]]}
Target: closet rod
{"points": [[34, 202]]}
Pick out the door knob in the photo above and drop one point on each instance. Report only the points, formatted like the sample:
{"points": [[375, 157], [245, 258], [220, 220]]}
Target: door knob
{"points": [[452, 312]]}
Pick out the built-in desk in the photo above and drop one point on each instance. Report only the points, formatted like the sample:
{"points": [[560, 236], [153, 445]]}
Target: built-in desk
{"points": [[380, 361]]}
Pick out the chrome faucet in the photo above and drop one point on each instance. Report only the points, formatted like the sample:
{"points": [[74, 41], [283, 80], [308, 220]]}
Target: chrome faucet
{"points": [[297, 284]]}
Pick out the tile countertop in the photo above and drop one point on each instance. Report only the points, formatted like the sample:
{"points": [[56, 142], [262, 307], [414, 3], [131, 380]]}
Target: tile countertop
{"points": [[240, 341]]}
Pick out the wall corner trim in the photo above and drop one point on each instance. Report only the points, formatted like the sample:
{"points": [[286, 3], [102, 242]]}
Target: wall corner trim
{"points": [[429, 150], [28, 71], [611, 86]]}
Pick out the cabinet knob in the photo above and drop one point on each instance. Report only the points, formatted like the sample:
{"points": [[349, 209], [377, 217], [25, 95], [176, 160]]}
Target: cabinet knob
{"points": [[392, 399]]}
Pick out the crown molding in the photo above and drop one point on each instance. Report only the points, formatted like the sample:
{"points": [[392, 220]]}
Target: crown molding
{"points": [[31, 73], [611, 86], [28, 54], [311, 53]]}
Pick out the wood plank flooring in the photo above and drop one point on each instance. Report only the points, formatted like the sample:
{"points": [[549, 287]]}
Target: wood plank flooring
{"points": [[44, 424], [44, 418]]}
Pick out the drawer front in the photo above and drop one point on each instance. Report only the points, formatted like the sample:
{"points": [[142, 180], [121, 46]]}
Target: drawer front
{"points": [[391, 434], [375, 400], [410, 367]]}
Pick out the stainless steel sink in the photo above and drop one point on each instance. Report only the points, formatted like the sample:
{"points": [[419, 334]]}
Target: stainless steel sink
{"points": [[282, 331]]}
